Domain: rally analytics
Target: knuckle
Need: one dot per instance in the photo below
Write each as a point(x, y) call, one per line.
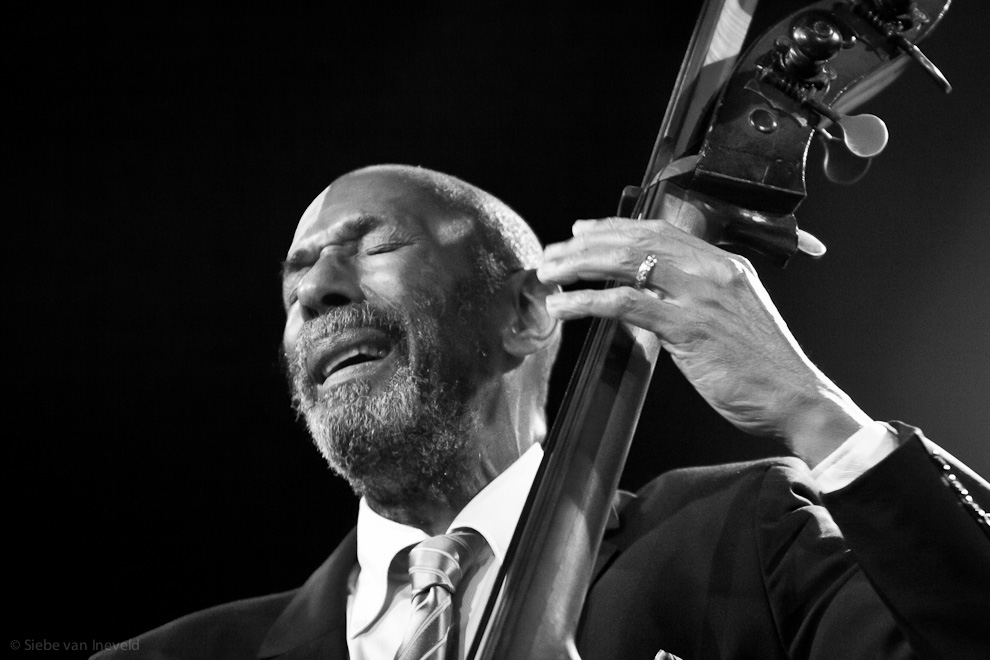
point(627, 299)
point(584, 298)
point(627, 255)
point(649, 242)
point(576, 298)
point(739, 270)
point(570, 260)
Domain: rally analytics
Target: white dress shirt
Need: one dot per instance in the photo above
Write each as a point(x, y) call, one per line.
point(378, 601)
point(864, 449)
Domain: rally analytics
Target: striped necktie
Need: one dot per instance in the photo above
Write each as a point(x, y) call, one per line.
point(436, 566)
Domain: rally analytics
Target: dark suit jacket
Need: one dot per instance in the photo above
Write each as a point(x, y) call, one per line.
point(735, 561)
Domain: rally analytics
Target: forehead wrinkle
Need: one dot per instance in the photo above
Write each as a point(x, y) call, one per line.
point(349, 229)
point(423, 210)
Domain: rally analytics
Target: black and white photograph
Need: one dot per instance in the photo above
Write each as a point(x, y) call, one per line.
point(302, 299)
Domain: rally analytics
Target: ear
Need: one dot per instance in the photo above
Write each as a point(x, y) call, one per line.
point(530, 328)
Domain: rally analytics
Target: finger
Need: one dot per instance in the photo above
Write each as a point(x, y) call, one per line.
point(622, 264)
point(674, 237)
point(604, 225)
point(640, 308)
point(602, 263)
point(620, 254)
point(591, 242)
point(650, 235)
point(642, 236)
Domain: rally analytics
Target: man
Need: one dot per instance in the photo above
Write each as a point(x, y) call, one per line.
point(421, 323)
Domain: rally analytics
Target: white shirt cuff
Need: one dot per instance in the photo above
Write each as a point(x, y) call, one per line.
point(861, 451)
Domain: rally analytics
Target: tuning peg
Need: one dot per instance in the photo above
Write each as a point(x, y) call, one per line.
point(810, 245)
point(841, 165)
point(864, 135)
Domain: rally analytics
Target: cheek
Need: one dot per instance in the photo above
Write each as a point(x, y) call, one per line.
point(290, 334)
point(396, 281)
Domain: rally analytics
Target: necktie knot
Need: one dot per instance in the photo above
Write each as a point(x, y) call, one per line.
point(441, 561)
point(436, 567)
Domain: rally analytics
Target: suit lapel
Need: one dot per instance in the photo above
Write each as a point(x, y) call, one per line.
point(313, 626)
point(314, 623)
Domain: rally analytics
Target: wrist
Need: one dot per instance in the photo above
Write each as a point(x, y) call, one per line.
point(818, 424)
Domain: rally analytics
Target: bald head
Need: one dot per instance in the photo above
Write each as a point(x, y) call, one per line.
point(506, 243)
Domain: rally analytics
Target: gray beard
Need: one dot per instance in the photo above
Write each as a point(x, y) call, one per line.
point(405, 441)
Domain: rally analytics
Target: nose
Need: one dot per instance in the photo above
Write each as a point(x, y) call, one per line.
point(331, 282)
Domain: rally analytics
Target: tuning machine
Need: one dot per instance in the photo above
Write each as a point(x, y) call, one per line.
point(799, 67)
point(895, 20)
point(802, 56)
point(863, 136)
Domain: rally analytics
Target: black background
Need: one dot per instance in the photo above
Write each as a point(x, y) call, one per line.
point(157, 468)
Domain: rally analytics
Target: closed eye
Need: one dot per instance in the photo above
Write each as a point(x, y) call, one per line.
point(384, 247)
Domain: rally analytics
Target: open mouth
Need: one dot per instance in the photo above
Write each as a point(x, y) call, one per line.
point(352, 357)
point(351, 354)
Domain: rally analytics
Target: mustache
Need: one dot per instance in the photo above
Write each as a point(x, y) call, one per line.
point(366, 314)
point(348, 317)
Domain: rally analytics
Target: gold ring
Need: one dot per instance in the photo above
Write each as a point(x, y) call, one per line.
point(645, 269)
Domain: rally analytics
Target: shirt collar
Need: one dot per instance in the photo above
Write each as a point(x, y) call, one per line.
point(493, 512)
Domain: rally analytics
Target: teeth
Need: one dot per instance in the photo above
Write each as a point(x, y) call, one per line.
point(368, 350)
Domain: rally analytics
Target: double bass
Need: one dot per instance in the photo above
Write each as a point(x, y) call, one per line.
point(728, 166)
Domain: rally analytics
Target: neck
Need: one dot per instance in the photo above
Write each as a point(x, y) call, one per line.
point(433, 519)
point(497, 439)
point(434, 509)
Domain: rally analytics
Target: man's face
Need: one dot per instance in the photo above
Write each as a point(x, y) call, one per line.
point(384, 334)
